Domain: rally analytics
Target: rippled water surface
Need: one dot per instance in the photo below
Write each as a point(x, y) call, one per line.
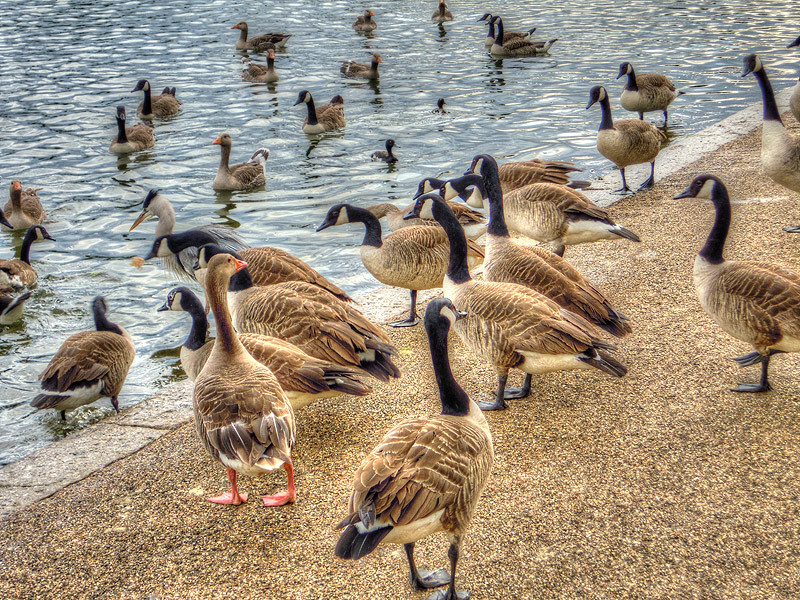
point(67, 64)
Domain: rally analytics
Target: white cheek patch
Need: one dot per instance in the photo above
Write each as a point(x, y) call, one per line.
point(705, 191)
point(478, 166)
point(758, 64)
point(342, 219)
point(176, 302)
point(163, 249)
point(602, 95)
point(307, 98)
point(427, 210)
point(428, 188)
point(449, 314)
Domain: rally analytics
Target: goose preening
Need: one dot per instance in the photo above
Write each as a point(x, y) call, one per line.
point(88, 366)
point(23, 208)
point(164, 105)
point(439, 110)
point(258, 73)
point(546, 212)
point(627, 142)
point(646, 92)
point(365, 22)
point(794, 101)
point(780, 149)
point(242, 176)
point(131, 139)
point(352, 68)
point(511, 326)
point(303, 377)
point(473, 222)
point(158, 205)
point(11, 307)
point(259, 43)
point(18, 272)
point(325, 118)
point(517, 46)
point(427, 473)
point(387, 155)
point(538, 268)
point(241, 413)
point(756, 302)
point(442, 14)
point(414, 258)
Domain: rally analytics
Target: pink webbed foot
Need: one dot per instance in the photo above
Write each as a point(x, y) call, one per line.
point(279, 499)
point(229, 498)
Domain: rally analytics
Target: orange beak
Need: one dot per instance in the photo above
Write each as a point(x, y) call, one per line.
point(380, 60)
point(371, 14)
point(271, 54)
point(240, 264)
point(217, 141)
point(235, 27)
point(17, 185)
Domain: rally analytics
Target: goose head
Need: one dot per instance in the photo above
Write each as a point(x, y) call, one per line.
point(426, 186)
point(225, 266)
point(39, 234)
point(121, 114)
point(99, 306)
point(240, 25)
point(143, 85)
point(207, 251)
point(389, 145)
point(150, 209)
point(752, 64)
point(368, 14)
point(485, 17)
point(442, 314)
point(440, 104)
point(224, 139)
point(376, 58)
point(423, 207)
point(596, 94)
point(794, 43)
point(625, 69)
point(702, 186)
point(304, 96)
point(178, 299)
point(337, 215)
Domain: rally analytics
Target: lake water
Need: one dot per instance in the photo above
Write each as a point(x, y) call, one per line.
point(68, 64)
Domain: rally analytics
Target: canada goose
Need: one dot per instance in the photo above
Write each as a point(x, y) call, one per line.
point(794, 101)
point(756, 302)
point(242, 176)
point(440, 107)
point(547, 212)
point(157, 205)
point(88, 366)
point(646, 92)
point(356, 69)
point(164, 105)
point(538, 268)
point(131, 139)
point(327, 118)
point(414, 258)
point(303, 377)
point(241, 413)
point(511, 326)
point(23, 208)
point(258, 73)
point(507, 35)
point(19, 273)
point(627, 142)
point(473, 222)
point(169, 90)
point(259, 43)
point(11, 307)
point(365, 22)
point(386, 156)
point(442, 14)
point(427, 473)
point(780, 149)
point(517, 46)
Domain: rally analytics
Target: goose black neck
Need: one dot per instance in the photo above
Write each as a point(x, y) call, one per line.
point(270, 62)
point(457, 269)
point(101, 322)
point(631, 84)
point(499, 39)
point(372, 237)
point(460, 184)
point(491, 29)
point(312, 112)
point(25, 250)
point(147, 107)
point(712, 251)
point(497, 219)
point(454, 399)
point(122, 137)
point(190, 238)
point(197, 335)
point(241, 280)
point(771, 112)
point(606, 122)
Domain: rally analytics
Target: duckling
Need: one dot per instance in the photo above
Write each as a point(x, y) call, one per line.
point(427, 473)
point(386, 156)
point(259, 43)
point(365, 22)
point(242, 176)
point(164, 105)
point(794, 102)
point(517, 46)
point(646, 92)
point(327, 117)
point(19, 273)
point(442, 14)
point(88, 366)
point(439, 110)
point(11, 307)
point(356, 69)
point(23, 208)
point(473, 222)
point(131, 139)
point(258, 73)
point(627, 142)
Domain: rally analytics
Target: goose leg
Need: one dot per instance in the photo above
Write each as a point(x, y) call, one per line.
point(499, 402)
point(761, 386)
point(422, 579)
point(451, 593)
point(115, 403)
point(232, 497)
point(281, 498)
point(63, 415)
point(648, 185)
point(641, 116)
point(624, 189)
point(412, 314)
point(523, 392)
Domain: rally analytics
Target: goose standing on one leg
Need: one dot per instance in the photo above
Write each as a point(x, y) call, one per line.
point(241, 413)
point(426, 475)
point(646, 92)
point(794, 101)
point(23, 209)
point(627, 142)
point(756, 302)
point(243, 176)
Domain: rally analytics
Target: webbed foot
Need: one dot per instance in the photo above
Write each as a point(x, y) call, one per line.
point(426, 580)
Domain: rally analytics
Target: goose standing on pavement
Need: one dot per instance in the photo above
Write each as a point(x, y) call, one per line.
point(427, 473)
point(646, 92)
point(794, 101)
point(243, 176)
point(23, 209)
point(756, 302)
point(18, 272)
point(241, 413)
point(627, 142)
point(131, 139)
point(163, 105)
point(327, 117)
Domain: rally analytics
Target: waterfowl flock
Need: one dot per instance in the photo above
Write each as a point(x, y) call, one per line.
point(287, 336)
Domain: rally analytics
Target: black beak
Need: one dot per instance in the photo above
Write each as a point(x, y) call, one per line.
point(328, 222)
point(747, 71)
point(4, 221)
point(47, 236)
point(196, 266)
point(412, 214)
point(298, 102)
point(162, 308)
point(687, 193)
point(591, 102)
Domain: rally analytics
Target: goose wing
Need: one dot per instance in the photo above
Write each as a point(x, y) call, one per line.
point(647, 82)
point(141, 134)
point(16, 269)
point(564, 199)
point(517, 174)
point(249, 173)
point(465, 214)
point(350, 67)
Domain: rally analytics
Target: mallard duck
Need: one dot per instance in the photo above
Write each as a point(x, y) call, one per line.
point(517, 46)
point(88, 366)
point(242, 176)
point(386, 156)
point(259, 43)
point(356, 69)
point(473, 222)
point(365, 22)
point(23, 208)
point(442, 14)
point(325, 118)
point(164, 105)
point(646, 92)
point(131, 139)
point(260, 73)
point(19, 273)
point(427, 473)
point(11, 307)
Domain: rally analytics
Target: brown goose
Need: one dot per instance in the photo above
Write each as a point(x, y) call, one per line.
point(258, 73)
point(646, 92)
point(327, 117)
point(131, 139)
point(427, 473)
point(241, 413)
point(442, 14)
point(303, 377)
point(517, 46)
point(414, 258)
point(507, 35)
point(511, 326)
point(164, 105)
point(360, 70)
point(19, 273)
point(756, 302)
point(473, 222)
point(88, 366)
point(259, 43)
point(365, 22)
point(23, 208)
point(242, 176)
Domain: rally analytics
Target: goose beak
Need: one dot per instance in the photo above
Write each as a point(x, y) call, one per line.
point(591, 102)
point(4, 221)
point(325, 224)
point(459, 315)
point(143, 216)
point(412, 214)
point(163, 307)
point(235, 27)
point(240, 264)
point(687, 193)
point(217, 141)
point(47, 236)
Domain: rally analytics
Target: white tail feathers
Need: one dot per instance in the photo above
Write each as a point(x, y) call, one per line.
point(260, 156)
